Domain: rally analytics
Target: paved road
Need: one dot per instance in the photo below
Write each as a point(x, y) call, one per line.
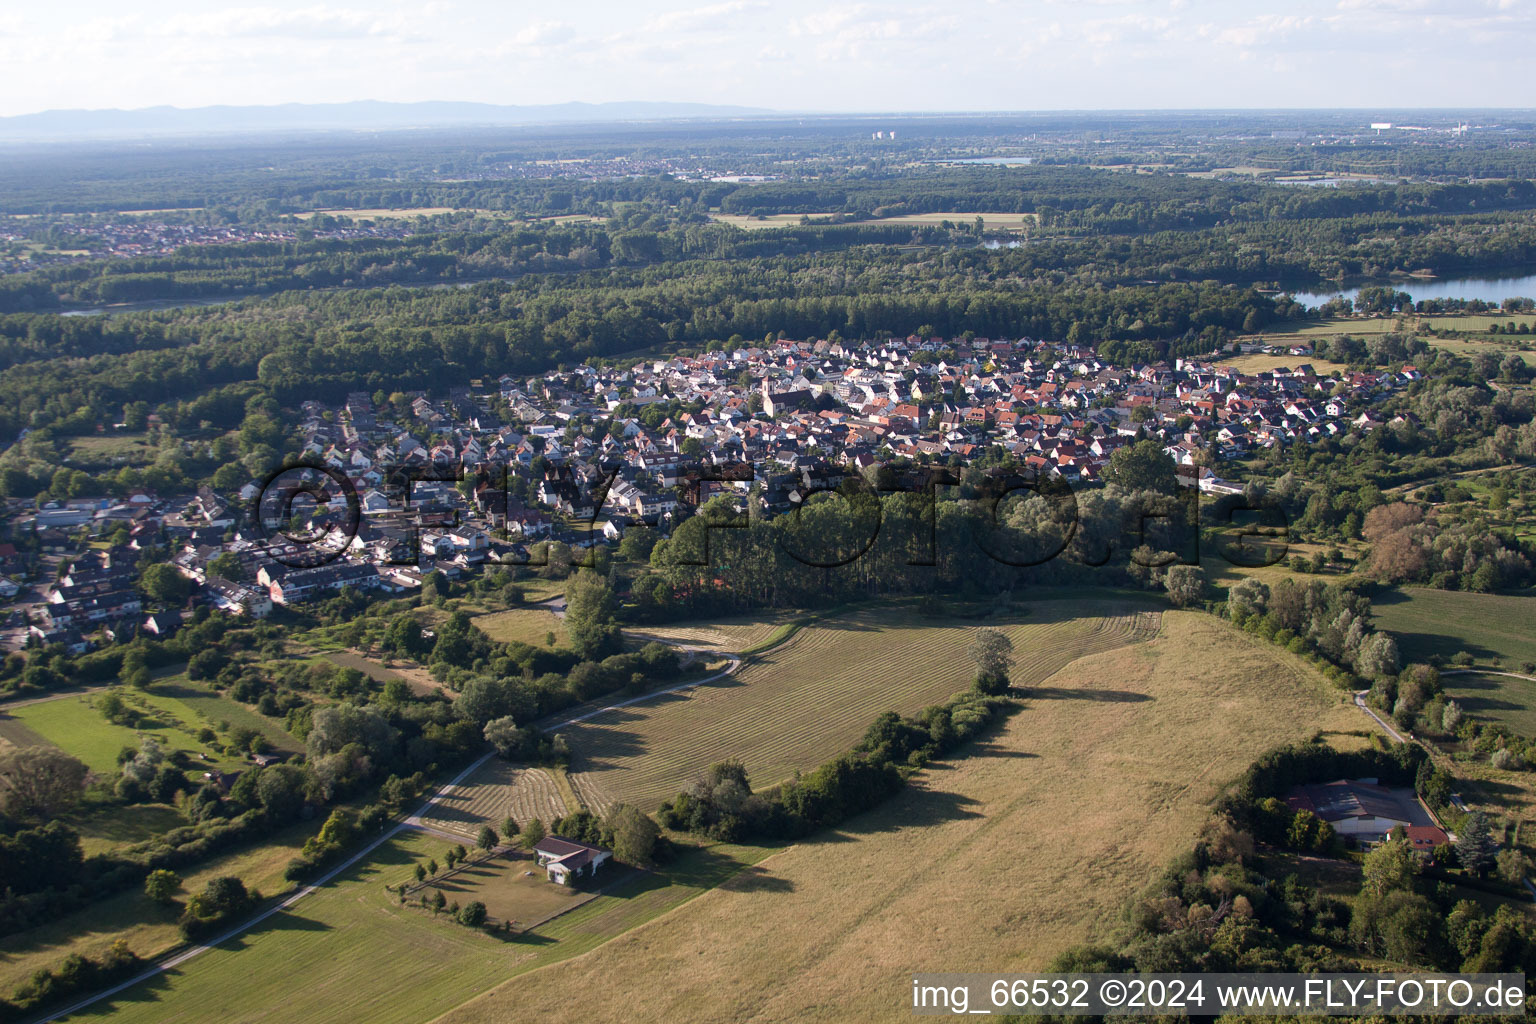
point(1363, 706)
point(414, 821)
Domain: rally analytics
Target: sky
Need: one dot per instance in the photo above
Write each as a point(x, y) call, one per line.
point(803, 55)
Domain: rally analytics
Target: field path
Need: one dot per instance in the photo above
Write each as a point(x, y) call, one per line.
point(416, 821)
point(1485, 672)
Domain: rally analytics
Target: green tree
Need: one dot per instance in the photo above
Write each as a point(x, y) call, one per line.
point(532, 833)
point(1475, 845)
point(634, 835)
point(486, 838)
point(40, 780)
point(1391, 865)
point(992, 652)
point(1186, 585)
point(165, 584)
point(162, 885)
point(473, 914)
point(590, 619)
point(1142, 466)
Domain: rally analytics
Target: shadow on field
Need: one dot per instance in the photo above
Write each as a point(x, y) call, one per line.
point(1084, 693)
point(1502, 790)
point(611, 744)
point(983, 748)
point(756, 878)
point(920, 808)
point(146, 991)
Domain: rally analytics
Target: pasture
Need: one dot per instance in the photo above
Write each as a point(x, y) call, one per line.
point(1030, 843)
point(812, 697)
point(1259, 362)
point(1498, 346)
point(217, 710)
point(112, 450)
point(304, 964)
point(495, 791)
point(74, 725)
point(149, 928)
point(531, 626)
point(1504, 699)
point(1495, 629)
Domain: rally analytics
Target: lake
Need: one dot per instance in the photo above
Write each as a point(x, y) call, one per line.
point(1489, 289)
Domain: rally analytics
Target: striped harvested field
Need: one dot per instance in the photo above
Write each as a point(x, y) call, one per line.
point(735, 634)
point(496, 791)
point(812, 697)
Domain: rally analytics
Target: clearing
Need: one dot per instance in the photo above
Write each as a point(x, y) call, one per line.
point(812, 697)
point(996, 861)
point(531, 626)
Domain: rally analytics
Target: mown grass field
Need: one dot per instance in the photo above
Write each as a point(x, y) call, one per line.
point(1428, 622)
point(812, 697)
point(495, 791)
point(1495, 698)
point(351, 953)
point(996, 861)
point(725, 635)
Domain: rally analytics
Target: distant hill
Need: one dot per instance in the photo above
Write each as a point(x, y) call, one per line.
point(363, 114)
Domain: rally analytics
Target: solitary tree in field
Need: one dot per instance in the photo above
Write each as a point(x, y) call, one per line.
point(532, 833)
point(509, 826)
point(992, 652)
point(421, 873)
point(487, 837)
point(162, 885)
point(432, 866)
point(1186, 585)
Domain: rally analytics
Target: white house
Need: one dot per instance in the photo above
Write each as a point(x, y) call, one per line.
point(566, 860)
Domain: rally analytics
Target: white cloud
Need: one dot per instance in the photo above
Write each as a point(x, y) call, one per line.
point(712, 16)
point(544, 33)
point(320, 22)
